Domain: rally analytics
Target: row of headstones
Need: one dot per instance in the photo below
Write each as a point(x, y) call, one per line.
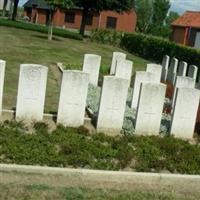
point(120, 67)
point(150, 100)
point(173, 68)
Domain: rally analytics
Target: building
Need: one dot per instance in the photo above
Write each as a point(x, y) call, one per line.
point(186, 29)
point(38, 12)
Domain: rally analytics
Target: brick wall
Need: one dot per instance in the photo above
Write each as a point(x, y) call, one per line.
point(178, 34)
point(125, 21)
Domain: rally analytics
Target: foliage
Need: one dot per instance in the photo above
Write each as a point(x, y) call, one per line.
point(42, 29)
point(144, 9)
point(160, 31)
point(105, 36)
point(160, 10)
point(65, 147)
point(151, 16)
point(172, 17)
point(154, 48)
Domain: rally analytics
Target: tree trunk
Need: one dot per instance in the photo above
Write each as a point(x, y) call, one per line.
point(50, 29)
point(4, 7)
point(14, 14)
point(10, 10)
point(83, 21)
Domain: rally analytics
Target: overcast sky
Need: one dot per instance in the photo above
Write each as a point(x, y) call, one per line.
point(176, 5)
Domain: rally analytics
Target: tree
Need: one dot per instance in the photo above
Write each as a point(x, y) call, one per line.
point(54, 5)
point(144, 10)
point(14, 13)
point(171, 17)
point(160, 10)
point(99, 5)
point(4, 7)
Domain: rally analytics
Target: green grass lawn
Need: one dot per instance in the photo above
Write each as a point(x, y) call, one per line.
point(21, 46)
point(42, 192)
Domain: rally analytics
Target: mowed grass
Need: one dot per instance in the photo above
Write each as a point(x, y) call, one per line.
point(42, 192)
point(21, 46)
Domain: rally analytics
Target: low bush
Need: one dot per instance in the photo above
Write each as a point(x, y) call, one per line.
point(153, 48)
point(39, 28)
point(70, 147)
point(106, 36)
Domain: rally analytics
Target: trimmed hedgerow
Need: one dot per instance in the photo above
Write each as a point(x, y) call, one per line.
point(105, 36)
point(39, 28)
point(153, 48)
point(70, 147)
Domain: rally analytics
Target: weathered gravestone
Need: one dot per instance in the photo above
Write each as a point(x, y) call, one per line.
point(172, 72)
point(112, 105)
point(31, 92)
point(124, 69)
point(116, 56)
point(185, 112)
point(150, 107)
point(182, 82)
point(192, 72)
point(182, 69)
point(141, 77)
point(73, 94)
point(91, 65)
point(155, 69)
point(2, 75)
point(165, 66)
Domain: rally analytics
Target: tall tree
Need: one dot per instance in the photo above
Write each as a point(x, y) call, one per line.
point(54, 5)
point(160, 10)
point(144, 10)
point(4, 7)
point(99, 5)
point(14, 13)
point(171, 17)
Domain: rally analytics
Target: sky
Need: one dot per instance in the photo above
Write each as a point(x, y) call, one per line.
point(179, 6)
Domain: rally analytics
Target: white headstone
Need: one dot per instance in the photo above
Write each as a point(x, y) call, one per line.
point(73, 94)
point(112, 104)
point(91, 65)
point(116, 56)
point(182, 69)
point(31, 92)
point(185, 112)
point(2, 75)
point(141, 77)
point(172, 72)
point(124, 69)
point(150, 107)
point(165, 66)
point(192, 72)
point(155, 69)
point(182, 82)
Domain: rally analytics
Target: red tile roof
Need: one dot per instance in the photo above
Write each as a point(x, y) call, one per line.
point(188, 19)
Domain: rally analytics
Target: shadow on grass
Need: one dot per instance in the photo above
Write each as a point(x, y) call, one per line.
point(46, 37)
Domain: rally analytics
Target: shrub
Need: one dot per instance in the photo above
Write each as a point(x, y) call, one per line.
point(67, 147)
point(153, 48)
point(39, 28)
point(106, 36)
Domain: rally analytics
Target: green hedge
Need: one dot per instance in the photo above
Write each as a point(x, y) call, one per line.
point(106, 36)
point(153, 48)
point(42, 29)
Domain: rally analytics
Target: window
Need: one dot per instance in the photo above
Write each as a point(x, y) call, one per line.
point(70, 17)
point(111, 22)
point(89, 19)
